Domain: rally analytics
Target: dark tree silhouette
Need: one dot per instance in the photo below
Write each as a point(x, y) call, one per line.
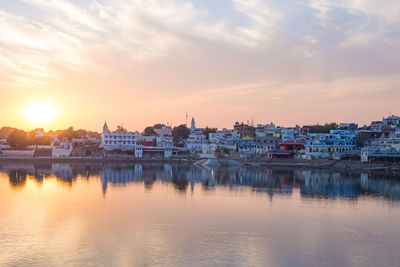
point(68, 133)
point(324, 128)
point(17, 139)
point(207, 131)
point(148, 131)
point(180, 133)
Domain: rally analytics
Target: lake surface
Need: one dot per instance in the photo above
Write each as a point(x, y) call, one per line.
point(184, 215)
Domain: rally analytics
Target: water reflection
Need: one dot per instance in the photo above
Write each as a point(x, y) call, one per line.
point(312, 183)
point(17, 178)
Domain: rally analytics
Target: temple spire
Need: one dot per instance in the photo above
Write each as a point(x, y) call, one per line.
point(193, 124)
point(105, 128)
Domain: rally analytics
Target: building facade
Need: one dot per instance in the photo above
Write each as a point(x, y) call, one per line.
point(121, 140)
point(332, 145)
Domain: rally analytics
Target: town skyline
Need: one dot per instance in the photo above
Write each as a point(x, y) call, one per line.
point(112, 125)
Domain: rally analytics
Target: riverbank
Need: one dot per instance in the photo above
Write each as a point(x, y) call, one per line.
point(326, 164)
point(93, 160)
point(284, 163)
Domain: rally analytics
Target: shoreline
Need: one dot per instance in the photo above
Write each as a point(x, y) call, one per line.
point(290, 163)
point(93, 160)
point(333, 165)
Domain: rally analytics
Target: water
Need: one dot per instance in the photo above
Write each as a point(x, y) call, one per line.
point(184, 215)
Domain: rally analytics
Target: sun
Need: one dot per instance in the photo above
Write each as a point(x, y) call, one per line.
point(40, 112)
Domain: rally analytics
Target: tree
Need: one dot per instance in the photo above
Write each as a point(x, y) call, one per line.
point(17, 139)
point(68, 133)
point(324, 128)
point(120, 129)
point(148, 131)
point(158, 126)
point(5, 132)
point(42, 140)
point(207, 131)
point(180, 133)
point(363, 139)
point(94, 134)
point(80, 133)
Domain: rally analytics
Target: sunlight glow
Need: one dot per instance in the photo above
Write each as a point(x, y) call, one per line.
point(40, 112)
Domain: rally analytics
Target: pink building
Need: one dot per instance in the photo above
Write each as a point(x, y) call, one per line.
point(164, 131)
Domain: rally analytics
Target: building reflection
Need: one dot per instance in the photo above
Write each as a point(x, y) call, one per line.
point(17, 178)
point(65, 173)
point(329, 185)
point(312, 184)
point(120, 175)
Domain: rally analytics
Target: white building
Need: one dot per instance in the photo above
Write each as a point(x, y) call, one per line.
point(263, 145)
point(208, 151)
point(332, 145)
point(193, 129)
point(366, 152)
point(4, 144)
point(385, 145)
point(124, 141)
point(224, 138)
point(194, 142)
point(138, 151)
point(62, 150)
point(391, 120)
point(287, 134)
point(165, 141)
point(388, 147)
point(376, 126)
point(117, 140)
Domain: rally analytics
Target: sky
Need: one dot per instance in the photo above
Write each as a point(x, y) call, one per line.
point(141, 62)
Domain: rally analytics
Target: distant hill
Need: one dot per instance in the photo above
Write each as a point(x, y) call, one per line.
point(5, 132)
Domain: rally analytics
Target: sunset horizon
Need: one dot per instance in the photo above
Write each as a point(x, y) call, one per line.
point(114, 124)
point(188, 133)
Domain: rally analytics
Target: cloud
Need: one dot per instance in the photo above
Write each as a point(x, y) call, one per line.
point(263, 20)
point(77, 36)
point(62, 33)
point(385, 11)
point(250, 50)
point(68, 11)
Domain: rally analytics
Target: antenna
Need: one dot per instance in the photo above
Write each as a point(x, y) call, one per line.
point(186, 118)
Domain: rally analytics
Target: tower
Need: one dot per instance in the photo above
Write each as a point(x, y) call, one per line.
point(105, 128)
point(193, 124)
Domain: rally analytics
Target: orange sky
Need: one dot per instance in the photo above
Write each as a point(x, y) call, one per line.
point(145, 62)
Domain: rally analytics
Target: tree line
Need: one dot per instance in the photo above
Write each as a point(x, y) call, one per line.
point(19, 139)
